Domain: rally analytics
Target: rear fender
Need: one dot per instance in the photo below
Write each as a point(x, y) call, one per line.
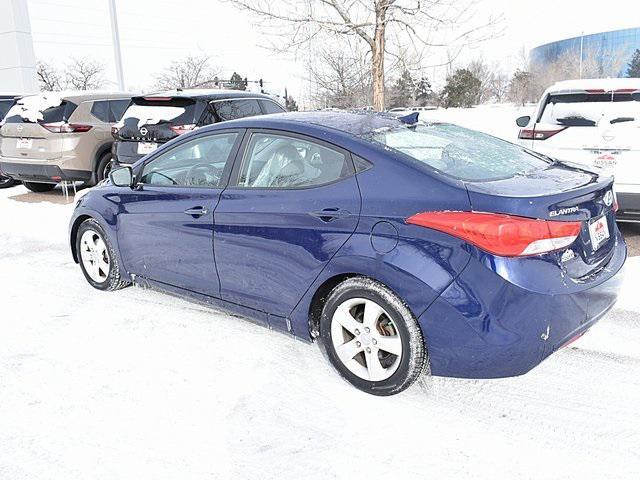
point(418, 283)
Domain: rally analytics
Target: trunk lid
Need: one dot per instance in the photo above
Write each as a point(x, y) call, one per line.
point(560, 192)
point(149, 119)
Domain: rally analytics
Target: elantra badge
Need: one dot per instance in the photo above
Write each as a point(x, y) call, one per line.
point(563, 211)
point(608, 198)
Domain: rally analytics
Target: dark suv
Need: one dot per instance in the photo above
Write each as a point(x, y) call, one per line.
point(155, 119)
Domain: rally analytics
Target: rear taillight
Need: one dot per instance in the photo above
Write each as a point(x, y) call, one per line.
point(180, 129)
point(533, 134)
point(504, 235)
point(63, 127)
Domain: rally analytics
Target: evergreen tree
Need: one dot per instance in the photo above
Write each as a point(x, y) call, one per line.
point(462, 89)
point(290, 104)
point(633, 69)
point(401, 94)
point(236, 82)
point(423, 93)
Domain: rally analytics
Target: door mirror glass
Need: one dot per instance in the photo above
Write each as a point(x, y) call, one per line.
point(523, 121)
point(122, 177)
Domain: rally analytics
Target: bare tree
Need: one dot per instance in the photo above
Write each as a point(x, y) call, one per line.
point(49, 77)
point(341, 78)
point(84, 74)
point(498, 85)
point(482, 72)
point(419, 23)
point(194, 71)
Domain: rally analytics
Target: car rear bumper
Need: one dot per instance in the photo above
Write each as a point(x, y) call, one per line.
point(46, 173)
point(484, 326)
point(628, 207)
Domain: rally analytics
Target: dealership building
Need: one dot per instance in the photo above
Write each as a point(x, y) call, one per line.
point(600, 47)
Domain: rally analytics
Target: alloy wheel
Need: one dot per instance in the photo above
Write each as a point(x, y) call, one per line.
point(95, 256)
point(365, 339)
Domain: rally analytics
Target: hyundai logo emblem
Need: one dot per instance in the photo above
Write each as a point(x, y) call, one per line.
point(144, 131)
point(608, 198)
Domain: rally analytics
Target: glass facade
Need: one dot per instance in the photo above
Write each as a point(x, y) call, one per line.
point(607, 53)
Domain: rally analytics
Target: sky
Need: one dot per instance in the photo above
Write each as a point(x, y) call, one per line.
point(155, 32)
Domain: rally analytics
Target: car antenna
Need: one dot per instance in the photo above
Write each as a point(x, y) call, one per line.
point(410, 119)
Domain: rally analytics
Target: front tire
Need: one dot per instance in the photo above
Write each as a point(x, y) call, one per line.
point(39, 187)
point(371, 337)
point(97, 257)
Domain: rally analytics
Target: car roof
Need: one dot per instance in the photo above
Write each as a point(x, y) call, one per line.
point(78, 96)
point(606, 84)
point(208, 94)
point(357, 123)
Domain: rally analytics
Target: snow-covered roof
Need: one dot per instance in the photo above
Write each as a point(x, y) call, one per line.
point(606, 84)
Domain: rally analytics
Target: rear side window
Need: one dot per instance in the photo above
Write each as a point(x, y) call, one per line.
point(591, 109)
point(100, 110)
point(5, 105)
point(232, 109)
point(118, 107)
point(459, 153)
point(271, 107)
point(276, 161)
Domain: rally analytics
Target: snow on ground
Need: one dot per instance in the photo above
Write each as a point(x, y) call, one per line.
point(137, 384)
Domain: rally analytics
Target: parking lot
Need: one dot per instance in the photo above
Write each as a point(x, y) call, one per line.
point(139, 384)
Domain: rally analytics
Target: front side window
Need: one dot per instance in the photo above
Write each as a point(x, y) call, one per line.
point(460, 153)
point(232, 109)
point(198, 163)
point(276, 161)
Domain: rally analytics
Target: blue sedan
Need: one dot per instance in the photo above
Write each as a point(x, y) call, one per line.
point(402, 247)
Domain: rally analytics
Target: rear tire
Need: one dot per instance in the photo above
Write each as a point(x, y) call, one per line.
point(39, 187)
point(371, 337)
point(97, 257)
point(7, 182)
point(104, 167)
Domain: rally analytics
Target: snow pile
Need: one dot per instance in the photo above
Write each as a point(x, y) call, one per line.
point(150, 114)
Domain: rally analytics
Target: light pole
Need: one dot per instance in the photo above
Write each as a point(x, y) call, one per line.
point(581, 50)
point(116, 44)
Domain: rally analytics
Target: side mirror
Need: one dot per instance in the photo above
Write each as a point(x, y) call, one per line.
point(523, 121)
point(122, 177)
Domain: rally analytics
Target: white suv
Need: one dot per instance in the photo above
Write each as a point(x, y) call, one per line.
point(595, 123)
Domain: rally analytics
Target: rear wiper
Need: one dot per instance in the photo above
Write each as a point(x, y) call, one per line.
point(622, 119)
point(576, 122)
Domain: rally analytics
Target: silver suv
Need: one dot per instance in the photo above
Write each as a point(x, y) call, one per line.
point(53, 137)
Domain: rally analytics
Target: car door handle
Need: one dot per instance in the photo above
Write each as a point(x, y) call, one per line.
point(196, 211)
point(329, 214)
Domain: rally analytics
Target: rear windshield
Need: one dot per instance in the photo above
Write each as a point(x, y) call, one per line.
point(591, 109)
point(460, 153)
point(5, 105)
point(151, 111)
point(58, 113)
